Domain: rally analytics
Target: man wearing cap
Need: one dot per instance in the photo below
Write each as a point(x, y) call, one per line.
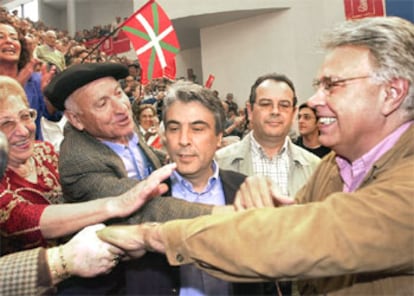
point(103, 155)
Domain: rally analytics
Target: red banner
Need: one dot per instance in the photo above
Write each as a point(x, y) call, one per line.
point(210, 80)
point(355, 9)
point(112, 46)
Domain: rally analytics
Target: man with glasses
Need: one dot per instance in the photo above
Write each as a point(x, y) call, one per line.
point(267, 149)
point(352, 232)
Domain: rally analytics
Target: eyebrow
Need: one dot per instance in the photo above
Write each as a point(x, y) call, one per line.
point(5, 117)
point(173, 121)
point(9, 33)
point(278, 100)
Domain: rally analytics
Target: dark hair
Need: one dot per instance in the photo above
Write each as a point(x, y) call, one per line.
point(25, 54)
point(186, 91)
point(275, 77)
point(305, 105)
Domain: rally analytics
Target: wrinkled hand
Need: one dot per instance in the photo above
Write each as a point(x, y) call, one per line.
point(135, 240)
point(134, 198)
point(259, 192)
point(87, 256)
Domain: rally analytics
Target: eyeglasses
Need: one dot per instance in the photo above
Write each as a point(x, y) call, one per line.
point(27, 116)
point(282, 105)
point(328, 83)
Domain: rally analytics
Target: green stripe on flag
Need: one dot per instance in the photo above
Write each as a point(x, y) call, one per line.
point(169, 47)
point(155, 16)
point(151, 63)
point(137, 33)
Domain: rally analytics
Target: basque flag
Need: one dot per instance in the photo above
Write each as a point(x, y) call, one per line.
point(154, 40)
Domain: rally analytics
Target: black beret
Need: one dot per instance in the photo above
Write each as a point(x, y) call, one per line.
point(76, 76)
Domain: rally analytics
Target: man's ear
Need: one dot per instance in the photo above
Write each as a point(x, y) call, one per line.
point(396, 92)
point(295, 111)
point(219, 141)
point(249, 108)
point(74, 120)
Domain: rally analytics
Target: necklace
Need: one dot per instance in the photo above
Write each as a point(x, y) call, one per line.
point(27, 169)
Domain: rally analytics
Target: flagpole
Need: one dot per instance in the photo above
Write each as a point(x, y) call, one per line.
point(101, 42)
point(114, 31)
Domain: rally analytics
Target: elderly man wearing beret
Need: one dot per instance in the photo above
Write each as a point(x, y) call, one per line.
point(103, 155)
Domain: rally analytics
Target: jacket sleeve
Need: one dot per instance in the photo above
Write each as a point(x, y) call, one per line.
point(25, 273)
point(369, 230)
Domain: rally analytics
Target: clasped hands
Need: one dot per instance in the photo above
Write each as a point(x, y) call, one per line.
point(136, 240)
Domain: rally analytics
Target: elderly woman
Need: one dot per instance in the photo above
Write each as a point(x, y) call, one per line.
point(147, 120)
point(30, 192)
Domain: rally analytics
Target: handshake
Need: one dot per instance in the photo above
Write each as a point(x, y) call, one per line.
point(134, 240)
point(123, 242)
point(98, 249)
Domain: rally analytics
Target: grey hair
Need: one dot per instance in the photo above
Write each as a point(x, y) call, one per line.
point(186, 92)
point(391, 43)
point(71, 105)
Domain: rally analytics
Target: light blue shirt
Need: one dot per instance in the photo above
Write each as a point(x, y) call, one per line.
point(195, 282)
point(134, 159)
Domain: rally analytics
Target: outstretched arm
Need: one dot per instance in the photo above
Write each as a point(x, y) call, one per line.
point(64, 219)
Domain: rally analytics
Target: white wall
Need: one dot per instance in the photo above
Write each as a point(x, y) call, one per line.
point(184, 8)
point(90, 14)
point(190, 58)
point(52, 17)
point(238, 52)
point(285, 42)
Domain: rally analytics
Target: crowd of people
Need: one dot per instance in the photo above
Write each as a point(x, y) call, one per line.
point(345, 183)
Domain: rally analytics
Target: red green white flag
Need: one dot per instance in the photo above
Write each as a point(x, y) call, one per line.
point(155, 42)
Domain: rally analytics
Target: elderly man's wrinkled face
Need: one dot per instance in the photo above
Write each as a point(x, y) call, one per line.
point(50, 38)
point(102, 109)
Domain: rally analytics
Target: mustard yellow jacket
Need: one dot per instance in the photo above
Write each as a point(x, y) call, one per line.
point(359, 243)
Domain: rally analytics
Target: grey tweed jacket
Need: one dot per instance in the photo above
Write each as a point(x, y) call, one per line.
point(89, 170)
